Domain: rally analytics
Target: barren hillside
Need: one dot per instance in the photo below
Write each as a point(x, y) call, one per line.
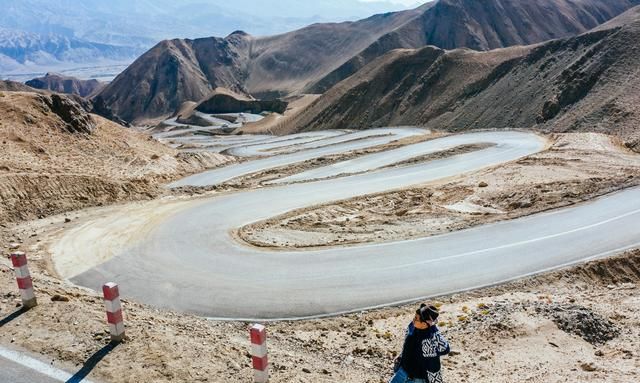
point(485, 25)
point(585, 83)
point(55, 158)
point(188, 70)
point(13, 86)
point(313, 59)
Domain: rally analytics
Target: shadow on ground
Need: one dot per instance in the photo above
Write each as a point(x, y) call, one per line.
point(91, 363)
point(13, 316)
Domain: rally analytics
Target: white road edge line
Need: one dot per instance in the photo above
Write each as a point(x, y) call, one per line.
point(36, 365)
point(474, 252)
point(442, 294)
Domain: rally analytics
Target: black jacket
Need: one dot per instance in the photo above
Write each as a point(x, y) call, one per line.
point(421, 353)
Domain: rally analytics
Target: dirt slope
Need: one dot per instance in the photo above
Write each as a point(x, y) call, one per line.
point(65, 84)
point(55, 158)
point(401, 84)
point(585, 83)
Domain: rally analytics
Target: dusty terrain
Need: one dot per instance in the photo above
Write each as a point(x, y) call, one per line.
point(576, 324)
point(577, 167)
point(579, 324)
point(56, 160)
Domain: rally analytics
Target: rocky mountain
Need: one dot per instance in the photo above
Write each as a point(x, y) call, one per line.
point(585, 83)
point(315, 58)
point(138, 25)
point(65, 84)
point(485, 25)
point(143, 23)
point(179, 70)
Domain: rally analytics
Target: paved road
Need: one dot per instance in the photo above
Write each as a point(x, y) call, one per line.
point(386, 158)
point(11, 372)
point(18, 367)
point(332, 144)
point(189, 261)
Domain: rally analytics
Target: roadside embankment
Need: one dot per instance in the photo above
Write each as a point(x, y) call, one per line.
point(57, 158)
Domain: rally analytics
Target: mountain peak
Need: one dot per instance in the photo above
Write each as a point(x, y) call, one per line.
point(239, 33)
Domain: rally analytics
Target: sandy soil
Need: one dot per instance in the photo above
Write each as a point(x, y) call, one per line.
point(577, 167)
point(579, 324)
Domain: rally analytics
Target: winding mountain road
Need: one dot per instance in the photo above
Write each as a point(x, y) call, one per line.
point(186, 257)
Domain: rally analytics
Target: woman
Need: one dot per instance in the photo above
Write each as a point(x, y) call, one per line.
point(423, 347)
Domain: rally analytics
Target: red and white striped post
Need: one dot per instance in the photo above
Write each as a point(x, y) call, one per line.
point(259, 354)
point(25, 283)
point(114, 311)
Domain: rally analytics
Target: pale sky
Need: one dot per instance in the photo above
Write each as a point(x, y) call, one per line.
point(403, 2)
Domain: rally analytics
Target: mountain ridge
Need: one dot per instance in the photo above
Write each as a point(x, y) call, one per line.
point(314, 58)
point(19, 49)
point(179, 70)
point(485, 25)
point(583, 83)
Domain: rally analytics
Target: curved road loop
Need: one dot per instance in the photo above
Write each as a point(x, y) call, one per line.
point(187, 258)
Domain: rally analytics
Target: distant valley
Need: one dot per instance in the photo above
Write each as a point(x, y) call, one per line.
point(23, 54)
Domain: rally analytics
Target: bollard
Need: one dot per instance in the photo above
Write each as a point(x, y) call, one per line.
point(25, 283)
point(259, 354)
point(114, 311)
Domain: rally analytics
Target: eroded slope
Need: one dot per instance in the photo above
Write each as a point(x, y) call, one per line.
point(55, 157)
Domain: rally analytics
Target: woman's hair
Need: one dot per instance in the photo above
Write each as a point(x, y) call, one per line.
point(427, 313)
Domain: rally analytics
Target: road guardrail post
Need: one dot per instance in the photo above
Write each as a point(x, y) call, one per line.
point(259, 354)
point(23, 277)
point(114, 311)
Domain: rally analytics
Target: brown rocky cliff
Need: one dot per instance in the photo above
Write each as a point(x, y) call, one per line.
point(75, 118)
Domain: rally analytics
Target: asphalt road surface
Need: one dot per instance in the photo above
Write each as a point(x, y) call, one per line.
point(18, 367)
point(11, 372)
point(315, 147)
point(189, 261)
